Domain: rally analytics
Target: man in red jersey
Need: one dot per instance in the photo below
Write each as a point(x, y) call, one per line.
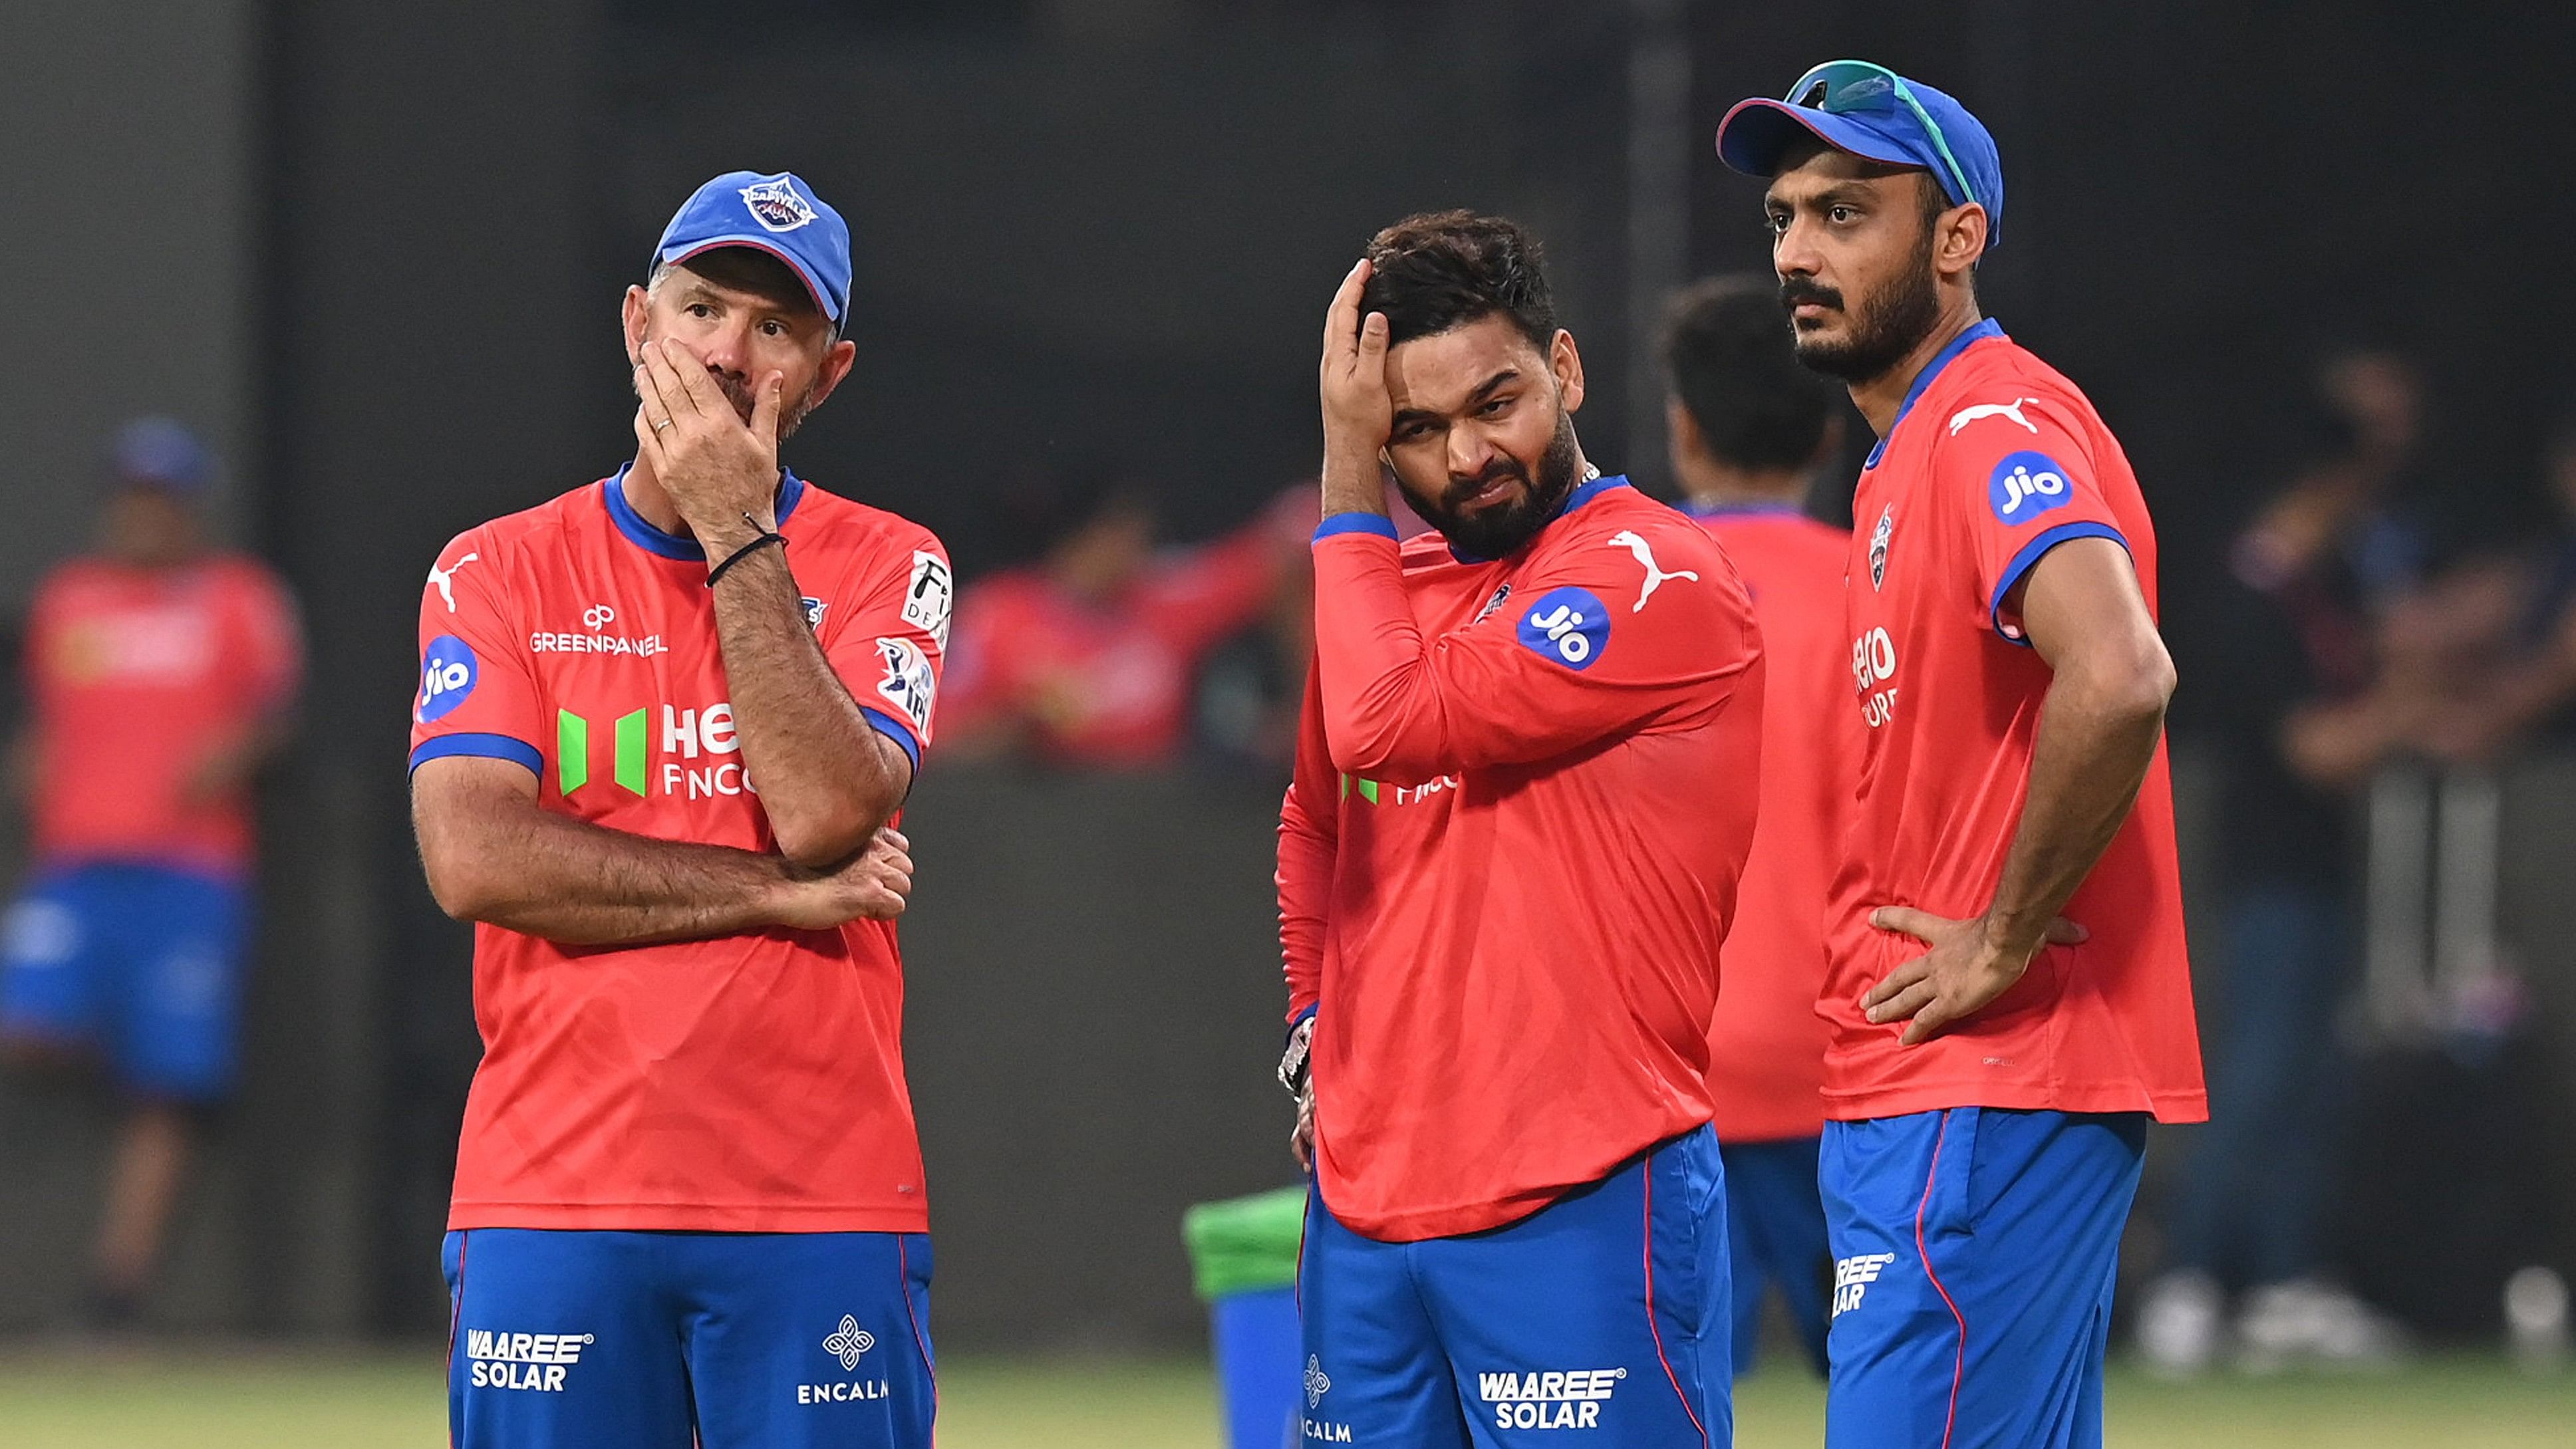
point(665, 724)
point(1749, 427)
point(160, 670)
point(1523, 793)
point(1087, 657)
point(1992, 1069)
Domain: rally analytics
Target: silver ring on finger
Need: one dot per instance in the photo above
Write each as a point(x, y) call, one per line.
point(664, 423)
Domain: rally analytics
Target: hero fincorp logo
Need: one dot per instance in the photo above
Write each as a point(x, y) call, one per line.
point(696, 759)
point(1554, 1399)
point(1873, 663)
point(530, 1362)
point(2025, 485)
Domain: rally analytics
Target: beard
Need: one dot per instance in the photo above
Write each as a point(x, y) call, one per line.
point(1498, 531)
point(738, 391)
point(1886, 329)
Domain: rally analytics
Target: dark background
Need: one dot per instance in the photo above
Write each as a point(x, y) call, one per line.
point(389, 281)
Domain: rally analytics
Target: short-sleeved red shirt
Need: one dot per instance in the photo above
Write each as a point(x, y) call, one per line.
point(750, 1083)
point(137, 676)
point(1994, 460)
point(1766, 1044)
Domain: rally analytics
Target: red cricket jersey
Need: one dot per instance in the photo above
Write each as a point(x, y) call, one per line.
point(1523, 795)
point(1994, 460)
point(1105, 683)
point(749, 1083)
point(1766, 1044)
point(137, 676)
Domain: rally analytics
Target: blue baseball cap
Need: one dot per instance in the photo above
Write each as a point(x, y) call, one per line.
point(776, 213)
point(161, 453)
point(1876, 114)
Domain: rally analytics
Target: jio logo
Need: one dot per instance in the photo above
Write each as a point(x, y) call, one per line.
point(447, 673)
point(1570, 626)
point(2025, 485)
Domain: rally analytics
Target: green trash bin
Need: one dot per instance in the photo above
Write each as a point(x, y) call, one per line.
point(1243, 1260)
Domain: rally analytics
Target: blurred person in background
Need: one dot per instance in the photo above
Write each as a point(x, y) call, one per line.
point(2517, 617)
point(1749, 427)
point(1087, 658)
point(161, 671)
point(2324, 659)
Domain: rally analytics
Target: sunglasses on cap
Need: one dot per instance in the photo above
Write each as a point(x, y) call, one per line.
point(1839, 87)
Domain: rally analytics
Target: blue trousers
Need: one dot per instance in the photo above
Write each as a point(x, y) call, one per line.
point(1974, 1255)
point(618, 1340)
point(1775, 1225)
point(1606, 1311)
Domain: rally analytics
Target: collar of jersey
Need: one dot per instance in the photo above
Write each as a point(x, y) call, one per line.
point(1574, 500)
point(641, 532)
point(1751, 509)
point(1923, 380)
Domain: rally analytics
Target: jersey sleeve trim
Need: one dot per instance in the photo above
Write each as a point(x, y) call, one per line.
point(2028, 556)
point(896, 731)
point(485, 746)
point(1300, 1015)
point(1377, 523)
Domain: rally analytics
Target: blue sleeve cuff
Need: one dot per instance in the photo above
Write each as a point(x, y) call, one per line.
point(897, 731)
point(1301, 1016)
point(1377, 523)
point(489, 747)
point(2028, 555)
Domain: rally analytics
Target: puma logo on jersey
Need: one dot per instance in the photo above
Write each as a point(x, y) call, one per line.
point(2012, 410)
point(1655, 574)
point(443, 579)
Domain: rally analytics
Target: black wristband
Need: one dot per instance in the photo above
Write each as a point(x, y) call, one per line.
point(738, 555)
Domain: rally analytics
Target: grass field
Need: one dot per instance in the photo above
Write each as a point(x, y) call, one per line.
point(220, 1400)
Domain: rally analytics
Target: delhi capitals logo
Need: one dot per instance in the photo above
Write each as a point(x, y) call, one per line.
point(775, 204)
point(1317, 1384)
point(848, 1342)
point(1878, 538)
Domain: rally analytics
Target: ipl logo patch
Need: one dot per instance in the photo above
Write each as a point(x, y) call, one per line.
point(1878, 540)
point(776, 206)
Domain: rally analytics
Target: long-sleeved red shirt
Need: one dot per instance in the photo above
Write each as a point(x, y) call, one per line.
point(1523, 796)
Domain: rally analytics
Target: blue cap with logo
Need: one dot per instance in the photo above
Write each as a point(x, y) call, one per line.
point(161, 453)
point(775, 213)
point(1876, 114)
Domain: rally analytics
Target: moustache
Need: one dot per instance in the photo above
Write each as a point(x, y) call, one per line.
point(1462, 489)
point(1798, 290)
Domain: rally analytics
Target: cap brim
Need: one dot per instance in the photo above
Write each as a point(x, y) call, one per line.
point(814, 289)
point(1756, 132)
